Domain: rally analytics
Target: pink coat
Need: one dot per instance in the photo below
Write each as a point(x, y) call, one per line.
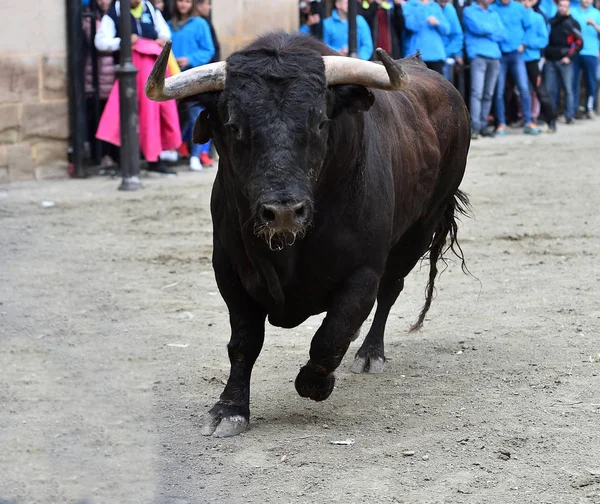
point(158, 122)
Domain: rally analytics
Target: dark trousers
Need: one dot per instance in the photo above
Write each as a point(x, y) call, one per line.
point(436, 66)
point(546, 107)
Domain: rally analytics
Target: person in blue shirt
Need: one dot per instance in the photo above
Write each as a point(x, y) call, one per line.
point(192, 46)
point(454, 41)
point(536, 40)
point(425, 24)
point(335, 32)
point(548, 8)
point(516, 20)
point(588, 18)
point(484, 32)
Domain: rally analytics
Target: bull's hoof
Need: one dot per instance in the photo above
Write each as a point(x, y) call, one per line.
point(313, 385)
point(368, 361)
point(224, 421)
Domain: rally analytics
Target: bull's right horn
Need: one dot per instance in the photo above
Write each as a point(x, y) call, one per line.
point(195, 81)
point(342, 70)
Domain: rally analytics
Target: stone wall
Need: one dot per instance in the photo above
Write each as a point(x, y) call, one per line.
point(33, 93)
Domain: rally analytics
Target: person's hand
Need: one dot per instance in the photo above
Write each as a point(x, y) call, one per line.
point(134, 38)
point(183, 62)
point(313, 19)
point(459, 61)
point(343, 51)
point(521, 48)
point(565, 60)
point(161, 42)
point(433, 21)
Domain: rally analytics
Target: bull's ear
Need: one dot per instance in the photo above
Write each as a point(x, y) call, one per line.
point(202, 128)
point(349, 98)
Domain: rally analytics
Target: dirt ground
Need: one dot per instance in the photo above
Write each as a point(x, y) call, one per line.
point(113, 340)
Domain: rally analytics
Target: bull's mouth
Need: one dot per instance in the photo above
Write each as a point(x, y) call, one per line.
point(279, 238)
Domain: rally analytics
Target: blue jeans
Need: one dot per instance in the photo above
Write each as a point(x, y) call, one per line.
point(194, 112)
point(589, 64)
point(484, 75)
point(514, 63)
point(555, 76)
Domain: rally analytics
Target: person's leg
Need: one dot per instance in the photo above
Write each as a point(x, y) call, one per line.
point(566, 76)
point(546, 107)
point(492, 71)
point(590, 64)
point(519, 72)
point(478, 67)
point(575, 81)
point(499, 96)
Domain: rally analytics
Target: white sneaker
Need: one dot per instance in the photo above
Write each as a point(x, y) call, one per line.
point(169, 155)
point(195, 164)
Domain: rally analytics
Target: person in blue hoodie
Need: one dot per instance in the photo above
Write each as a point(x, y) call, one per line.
point(425, 26)
point(335, 32)
point(192, 46)
point(484, 32)
point(516, 19)
point(588, 18)
point(548, 8)
point(536, 40)
point(454, 41)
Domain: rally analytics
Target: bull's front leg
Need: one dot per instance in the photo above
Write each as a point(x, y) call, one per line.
point(350, 307)
point(231, 414)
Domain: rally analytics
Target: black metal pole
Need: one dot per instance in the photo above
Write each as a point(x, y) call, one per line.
point(76, 87)
point(352, 44)
point(126, 72)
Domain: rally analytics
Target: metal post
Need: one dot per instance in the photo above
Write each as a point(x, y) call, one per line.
point(76, 87)
point(352, 44)
point(316, 7)
point(126, 72)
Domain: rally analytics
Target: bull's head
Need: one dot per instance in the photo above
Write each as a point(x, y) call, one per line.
point(269, 112)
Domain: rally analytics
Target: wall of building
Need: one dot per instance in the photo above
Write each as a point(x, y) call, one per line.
point(33, 92)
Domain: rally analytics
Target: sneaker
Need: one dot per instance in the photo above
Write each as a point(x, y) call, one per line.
point(160, 167)
point(195, 164)
point(486, 132)
point(474, 135)
point(169, 155)
point(205, 159)
point(531, 129)
point(552, 127)
point(501, 130)
point(569, 120)
point(588, 114)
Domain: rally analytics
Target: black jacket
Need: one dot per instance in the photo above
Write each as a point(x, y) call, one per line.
point(565, 38)
point(395, 23)
point(217, 56)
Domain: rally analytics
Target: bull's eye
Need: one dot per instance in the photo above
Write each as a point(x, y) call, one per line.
point(234, 129)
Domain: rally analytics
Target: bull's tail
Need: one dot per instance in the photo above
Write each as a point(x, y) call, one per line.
point(444, 239)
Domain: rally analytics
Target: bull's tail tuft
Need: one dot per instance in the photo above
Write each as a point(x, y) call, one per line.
point(444, 239)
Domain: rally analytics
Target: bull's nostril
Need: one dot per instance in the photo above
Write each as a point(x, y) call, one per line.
point(268, 215)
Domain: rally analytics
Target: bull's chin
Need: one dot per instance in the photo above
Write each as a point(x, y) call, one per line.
point(279, 238)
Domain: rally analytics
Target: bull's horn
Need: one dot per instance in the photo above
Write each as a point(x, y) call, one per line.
point(197, 80)
point(341, 70)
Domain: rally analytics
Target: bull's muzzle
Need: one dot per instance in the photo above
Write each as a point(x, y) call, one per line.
point(280, 224)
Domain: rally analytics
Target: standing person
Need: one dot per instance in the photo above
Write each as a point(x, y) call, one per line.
point(454, 41)
point(386, 21)
point(192, 46)
point(310, 22)
point(426, 24)
point(484, 32)
point(565, 43)
point(536, 40)
point(335, 32)
point(203, 8)
point(588, 18)
point(159, 125)
point(516, 20)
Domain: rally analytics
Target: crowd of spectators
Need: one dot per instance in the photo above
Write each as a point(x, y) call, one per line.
point(527, 59)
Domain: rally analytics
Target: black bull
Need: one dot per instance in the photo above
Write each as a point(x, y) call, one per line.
point(325, 199)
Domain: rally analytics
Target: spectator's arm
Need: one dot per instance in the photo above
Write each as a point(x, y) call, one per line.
point(498, 32)
point(527, 19)
point(204, 42)
point(415, 17)
point(539, 40)
point(106, 39)
point(365, 41)
point(575, 41)
point(443, 27)
point(456, 37)
point(162, 28)
point(305, 29)
point(474, 25)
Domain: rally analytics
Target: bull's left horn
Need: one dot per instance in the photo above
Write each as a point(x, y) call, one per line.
point(195, 81)
point(342, 70)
